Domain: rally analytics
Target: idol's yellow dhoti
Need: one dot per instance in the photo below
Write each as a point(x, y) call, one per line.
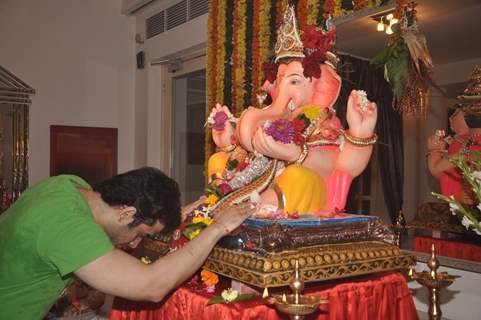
point(217, 164)
point(298, 188)
point(303, 190)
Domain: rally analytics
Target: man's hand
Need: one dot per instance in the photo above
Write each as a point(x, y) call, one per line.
point(230, 218)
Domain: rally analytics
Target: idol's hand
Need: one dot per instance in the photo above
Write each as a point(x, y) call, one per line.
point(222, 128)
point(361, 115)
point(265, 144)
point(436, 142)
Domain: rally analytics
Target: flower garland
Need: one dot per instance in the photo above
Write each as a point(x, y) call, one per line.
point(221, 57)
point(211, 49)
point(406, 61)
point(229, 15)
point(255, 49)
point(239, 58)
point(248, 62)
point(264, 40)
point(210, 76)
point(301, 13)
point(312, 12)
point(471, 170)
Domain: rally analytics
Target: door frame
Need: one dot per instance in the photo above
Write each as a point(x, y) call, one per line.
point(166, 147)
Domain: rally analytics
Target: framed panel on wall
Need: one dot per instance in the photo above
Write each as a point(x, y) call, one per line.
point(88, 152)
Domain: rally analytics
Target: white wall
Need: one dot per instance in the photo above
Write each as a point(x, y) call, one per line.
point(80, 58)
point(149, 82)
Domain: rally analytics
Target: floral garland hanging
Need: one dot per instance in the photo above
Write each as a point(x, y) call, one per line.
point(406, 62)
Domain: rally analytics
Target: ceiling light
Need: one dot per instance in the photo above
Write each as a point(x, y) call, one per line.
point(390, 16)
point(389, 30)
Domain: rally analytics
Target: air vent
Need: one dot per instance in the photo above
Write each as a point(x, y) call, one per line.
point(197, 8)
point(155, 25)
point(177, 15)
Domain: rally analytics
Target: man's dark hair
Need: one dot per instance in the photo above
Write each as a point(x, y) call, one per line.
point(149, 190)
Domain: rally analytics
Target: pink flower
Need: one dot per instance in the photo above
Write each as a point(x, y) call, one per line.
point(219, 120)
point(225, 188)
point(281, 130)
point(210, 289)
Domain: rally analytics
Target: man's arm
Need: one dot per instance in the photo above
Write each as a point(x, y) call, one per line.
point(120, 274)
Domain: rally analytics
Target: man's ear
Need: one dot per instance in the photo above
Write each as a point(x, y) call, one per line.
point(126, 214)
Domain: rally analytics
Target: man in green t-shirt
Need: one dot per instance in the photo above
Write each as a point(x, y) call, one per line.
point(61, 227)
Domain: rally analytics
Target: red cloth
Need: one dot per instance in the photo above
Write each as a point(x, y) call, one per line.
point(451, 180)
point(448, 248)
point(375, 297)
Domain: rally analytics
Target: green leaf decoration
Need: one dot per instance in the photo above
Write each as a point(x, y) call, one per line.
point(192, 229)
point(240, 297)
point(232, 164)
point(213, 189)
point(395, 59)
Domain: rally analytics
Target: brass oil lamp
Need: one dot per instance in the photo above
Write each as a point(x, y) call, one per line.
point(297, 305)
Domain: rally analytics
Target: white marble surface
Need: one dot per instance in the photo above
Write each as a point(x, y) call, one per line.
point(460, 301)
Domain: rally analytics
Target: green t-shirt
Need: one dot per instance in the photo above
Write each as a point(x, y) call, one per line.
point(46, 235)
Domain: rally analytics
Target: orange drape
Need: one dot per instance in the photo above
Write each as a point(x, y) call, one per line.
point(375, 297)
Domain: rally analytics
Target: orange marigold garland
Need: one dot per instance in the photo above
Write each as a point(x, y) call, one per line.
point(235, 48)
point(359, 4)
point(240, 58)
point(209, 278)
point(221, 21)
point(312, 11)
point(329, 6)
point(264, 39)
point(255, 50)
point(302, 13)
point(211, 76)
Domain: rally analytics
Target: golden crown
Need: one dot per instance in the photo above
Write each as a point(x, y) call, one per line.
point(289, 44)
point(471, 97)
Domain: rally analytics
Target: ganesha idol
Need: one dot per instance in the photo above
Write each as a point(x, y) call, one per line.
point(293, 156)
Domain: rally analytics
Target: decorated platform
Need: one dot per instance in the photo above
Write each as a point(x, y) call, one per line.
point(321, 262)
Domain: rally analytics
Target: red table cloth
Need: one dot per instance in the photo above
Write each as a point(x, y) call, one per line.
point(380, 296)
point(448, 248)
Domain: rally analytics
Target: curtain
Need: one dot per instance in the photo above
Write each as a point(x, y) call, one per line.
point(361, 75)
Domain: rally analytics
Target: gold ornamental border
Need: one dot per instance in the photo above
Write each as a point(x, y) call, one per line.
point(317, 263)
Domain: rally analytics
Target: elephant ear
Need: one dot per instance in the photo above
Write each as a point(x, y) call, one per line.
point(270, 88)
point(326, 88)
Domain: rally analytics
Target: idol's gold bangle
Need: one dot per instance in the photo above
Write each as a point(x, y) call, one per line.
point(228, 148)
point(360, 142)
point(303, 155)
point(437, 151)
